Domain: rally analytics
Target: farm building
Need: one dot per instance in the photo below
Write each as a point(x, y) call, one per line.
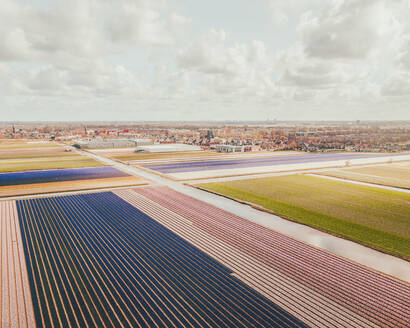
point(112, 143)
point(229, 149)
point(166, 148)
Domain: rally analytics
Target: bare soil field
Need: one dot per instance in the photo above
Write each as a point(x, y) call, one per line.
point(42, 188)
point(387, 175)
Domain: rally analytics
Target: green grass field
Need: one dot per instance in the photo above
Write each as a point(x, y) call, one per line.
point(387, 175)
point(372, 216)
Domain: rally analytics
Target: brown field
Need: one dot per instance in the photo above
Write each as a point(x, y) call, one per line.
point(42, 188)
point(387, 175)
point(24, 156)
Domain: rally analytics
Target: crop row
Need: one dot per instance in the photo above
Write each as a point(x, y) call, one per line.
point(96, 260)
point(15, 299)
point(44, 176)
point(340, 293)
point(222, 164)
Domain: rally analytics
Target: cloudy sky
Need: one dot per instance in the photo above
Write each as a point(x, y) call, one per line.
point(204, 60)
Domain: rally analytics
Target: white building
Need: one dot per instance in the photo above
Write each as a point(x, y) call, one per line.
point(166, 148)
point(229, 149)
point(112, 143)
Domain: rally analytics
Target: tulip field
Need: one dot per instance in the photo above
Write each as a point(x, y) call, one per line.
point(154, 257)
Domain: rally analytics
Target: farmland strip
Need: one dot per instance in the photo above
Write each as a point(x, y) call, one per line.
point(44, 176)
point(128, 257)
point(16, 309)
point(384, 306)
point(303, 304)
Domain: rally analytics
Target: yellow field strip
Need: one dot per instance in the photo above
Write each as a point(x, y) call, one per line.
point(16, 307)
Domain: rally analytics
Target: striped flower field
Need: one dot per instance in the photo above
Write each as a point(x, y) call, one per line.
point(96, 260)
point(322, 289)
point(45, 176)
point(224, 164)
point(152, 257)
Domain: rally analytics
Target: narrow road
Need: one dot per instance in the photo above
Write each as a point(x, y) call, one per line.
point(355, 252)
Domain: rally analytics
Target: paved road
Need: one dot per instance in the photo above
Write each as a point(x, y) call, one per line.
point(358, 253)
point(221, 164)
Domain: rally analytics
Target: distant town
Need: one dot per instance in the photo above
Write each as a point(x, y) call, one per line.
point(354, 136)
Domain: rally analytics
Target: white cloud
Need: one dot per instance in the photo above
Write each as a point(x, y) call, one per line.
point(304, 72)
point(84, 28)
point(403, 57)
point(281, 11)
point(347, 49)
point(208, 54)
point(348, 58)
point(66, 45)
point(223, 68)
point(350, 29)
point(397, 85)
point(318, 78)
point(82, 78)
point(398, 81)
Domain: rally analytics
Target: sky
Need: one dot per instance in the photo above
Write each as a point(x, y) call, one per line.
point(144, 60)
